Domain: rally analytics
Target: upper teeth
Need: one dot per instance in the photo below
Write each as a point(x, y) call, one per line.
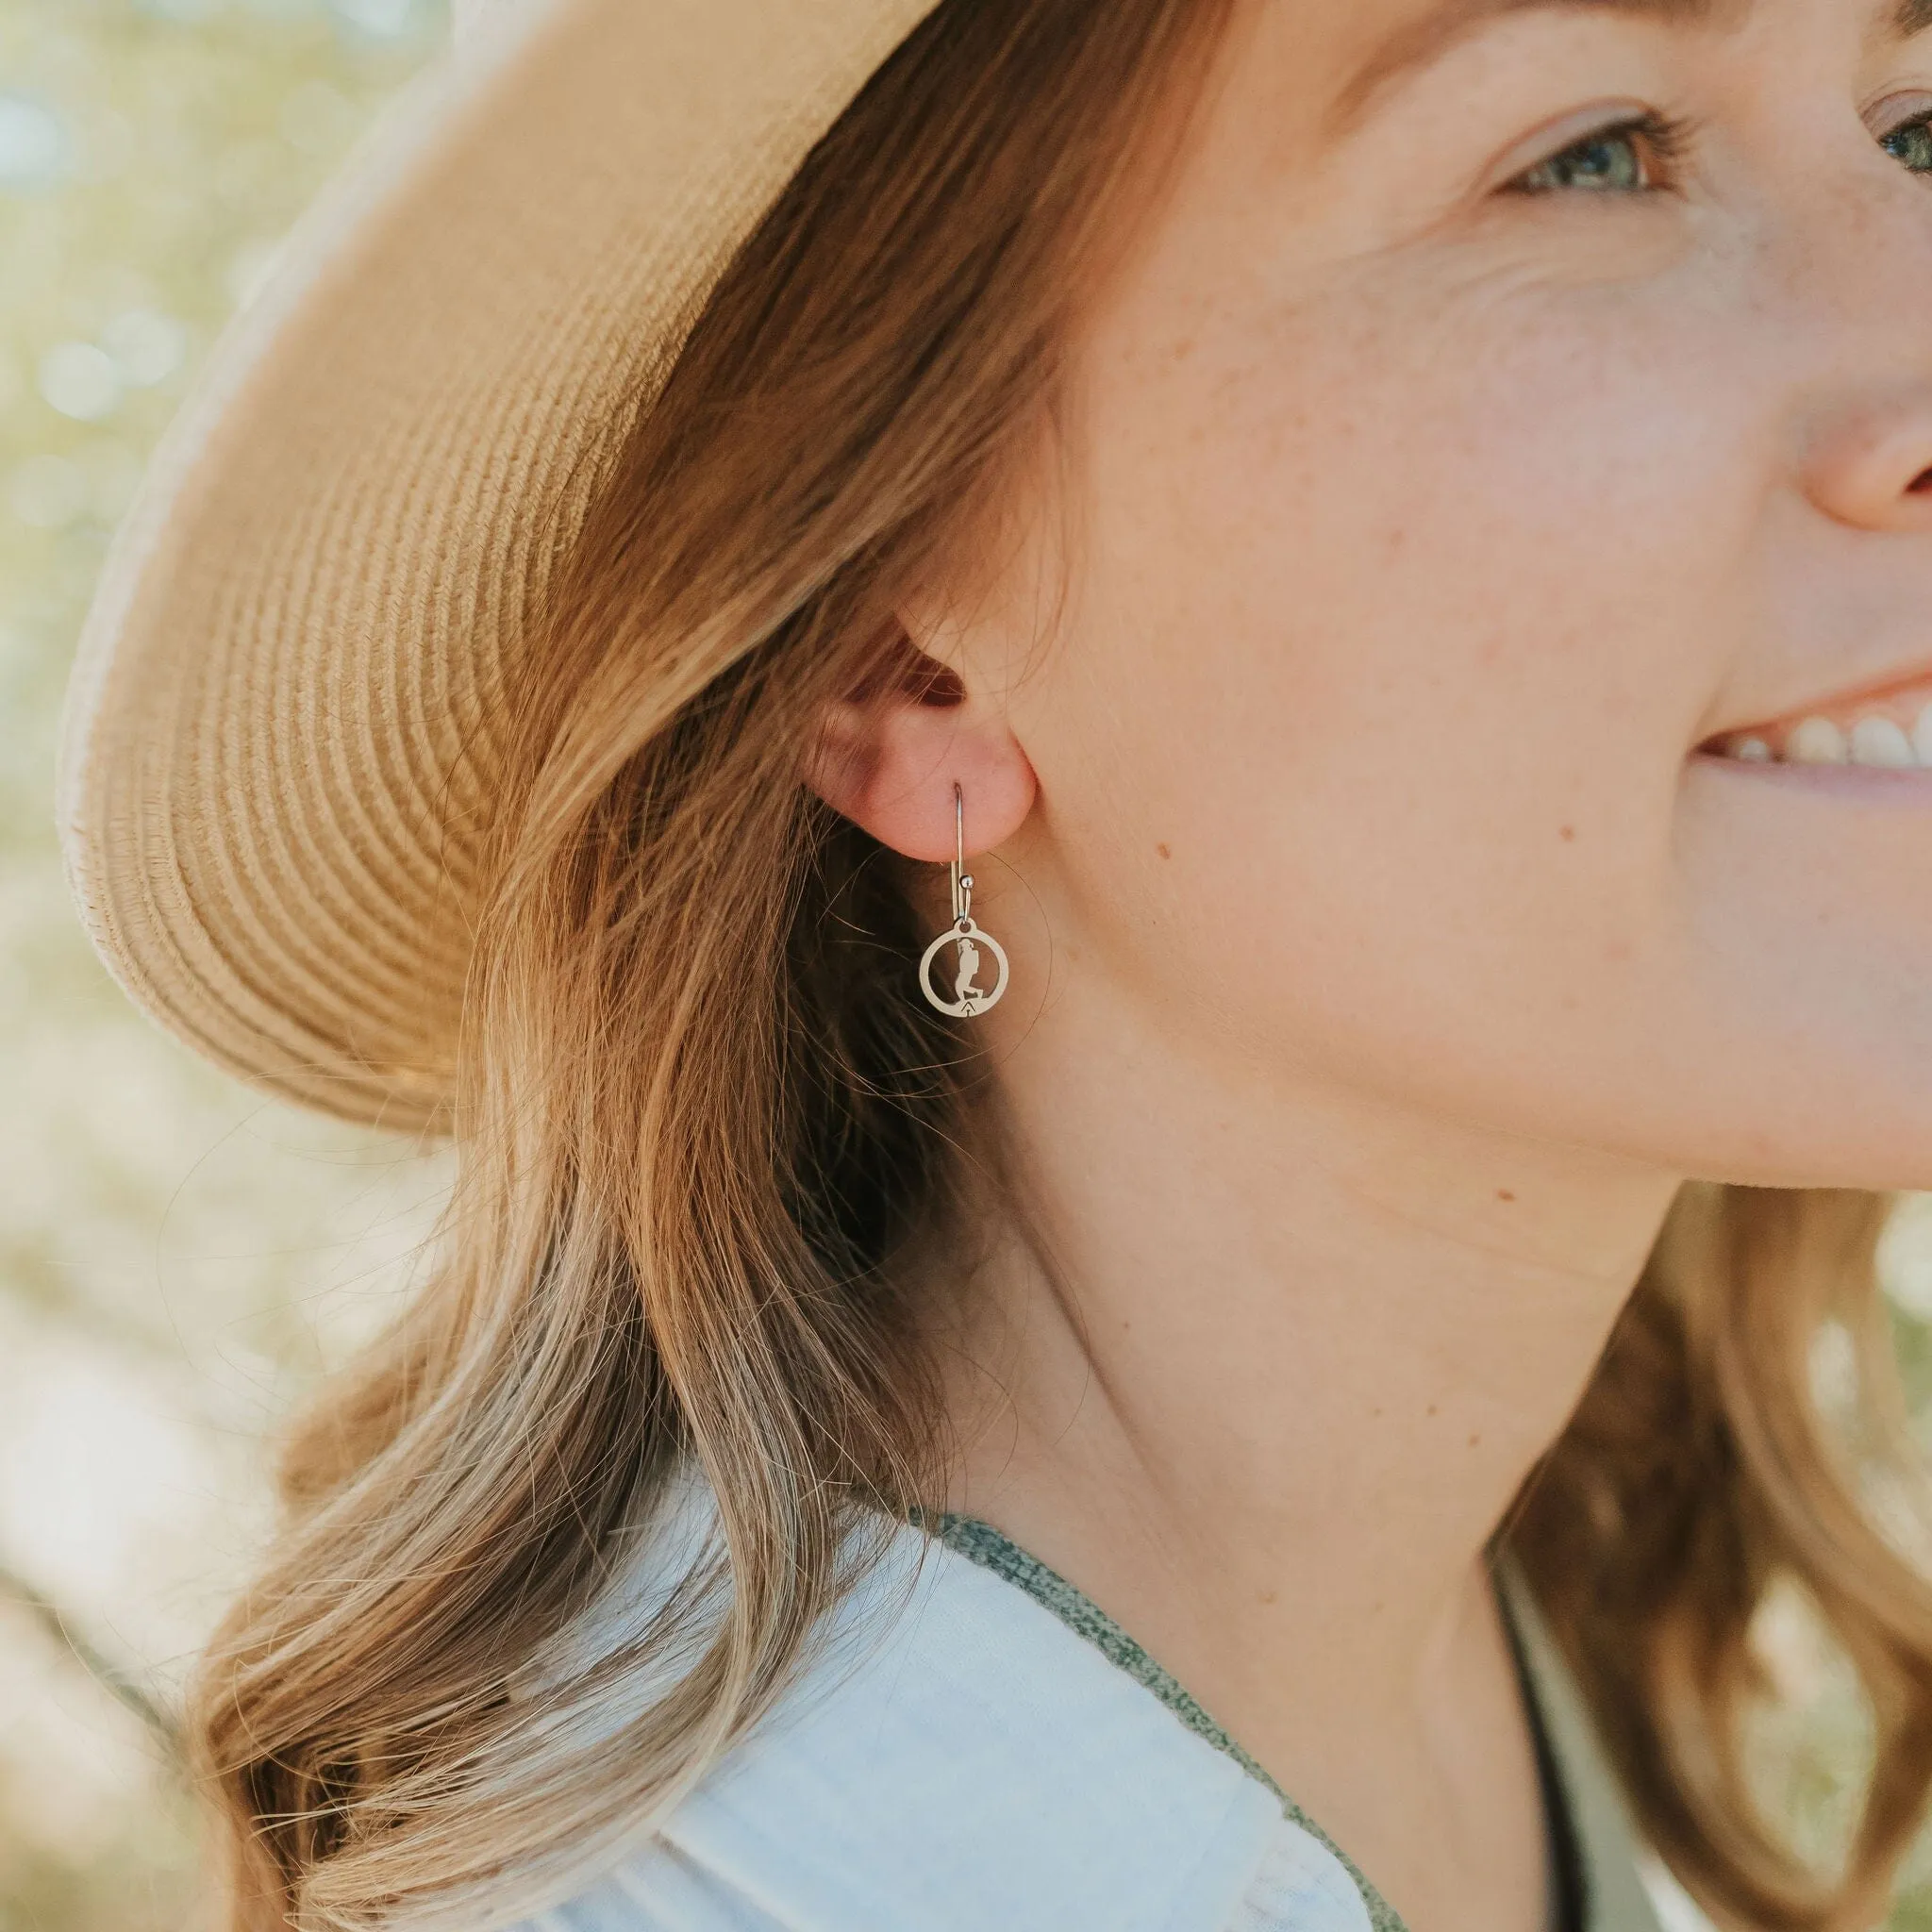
point(1816, 741)
point(1879, 741)
point(1872, 741)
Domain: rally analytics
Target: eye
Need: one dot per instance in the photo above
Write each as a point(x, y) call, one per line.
point(1631, 157)
point(1911, 146)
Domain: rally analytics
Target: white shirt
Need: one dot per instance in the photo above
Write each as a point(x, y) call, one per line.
point(980, 1749)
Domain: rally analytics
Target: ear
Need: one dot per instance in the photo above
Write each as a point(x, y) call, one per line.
point(889, 760)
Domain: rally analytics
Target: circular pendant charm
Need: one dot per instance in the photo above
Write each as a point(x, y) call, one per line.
point(961, 968)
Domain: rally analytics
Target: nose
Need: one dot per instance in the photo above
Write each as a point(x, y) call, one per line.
point(1872, 467)
point(1866, 253)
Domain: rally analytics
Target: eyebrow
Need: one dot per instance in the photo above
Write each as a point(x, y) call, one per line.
point(1420, 41)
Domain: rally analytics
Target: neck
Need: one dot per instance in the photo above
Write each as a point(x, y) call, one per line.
point(1260, 1366)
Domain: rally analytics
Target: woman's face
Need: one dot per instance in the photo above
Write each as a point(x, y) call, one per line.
point(1509, 408)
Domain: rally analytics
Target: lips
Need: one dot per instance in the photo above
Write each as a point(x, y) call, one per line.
point(1891, 730)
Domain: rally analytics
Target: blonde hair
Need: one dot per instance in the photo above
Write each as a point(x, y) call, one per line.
point(700, 1112)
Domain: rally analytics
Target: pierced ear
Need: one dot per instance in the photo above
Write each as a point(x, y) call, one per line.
point(888, 759)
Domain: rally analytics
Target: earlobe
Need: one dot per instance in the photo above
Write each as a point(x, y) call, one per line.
point(889, 765)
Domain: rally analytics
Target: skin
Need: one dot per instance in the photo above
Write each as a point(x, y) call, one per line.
point(1386, 951)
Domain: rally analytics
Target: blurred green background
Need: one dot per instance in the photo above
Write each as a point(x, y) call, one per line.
point(177, 1257)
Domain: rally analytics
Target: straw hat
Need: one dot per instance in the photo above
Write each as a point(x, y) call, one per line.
point(279, 739)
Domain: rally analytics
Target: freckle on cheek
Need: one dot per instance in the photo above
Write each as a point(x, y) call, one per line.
point(1163, 851)
point(1569, 834)
point(1504, 1194)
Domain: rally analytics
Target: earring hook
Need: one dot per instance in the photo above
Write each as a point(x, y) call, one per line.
point(962, 879)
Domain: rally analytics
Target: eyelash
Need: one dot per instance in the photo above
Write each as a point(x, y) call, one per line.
point(1664, 138)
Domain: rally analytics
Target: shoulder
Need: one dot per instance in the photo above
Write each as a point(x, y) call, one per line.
point(956, 1758)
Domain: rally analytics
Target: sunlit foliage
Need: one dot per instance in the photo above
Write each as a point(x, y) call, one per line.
point(174, 1257)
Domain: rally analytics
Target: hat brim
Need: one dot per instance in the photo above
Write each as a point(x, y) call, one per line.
point(282, 736)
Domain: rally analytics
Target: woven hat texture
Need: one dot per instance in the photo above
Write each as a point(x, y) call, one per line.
point(280, 745)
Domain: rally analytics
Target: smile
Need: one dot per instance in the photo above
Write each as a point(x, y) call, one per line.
point(1892, 730)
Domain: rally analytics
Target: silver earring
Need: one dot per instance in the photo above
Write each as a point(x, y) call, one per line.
point(969, 999)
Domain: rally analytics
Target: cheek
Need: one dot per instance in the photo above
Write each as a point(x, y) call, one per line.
point(1394, 623)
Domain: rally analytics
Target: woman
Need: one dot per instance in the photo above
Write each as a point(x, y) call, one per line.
point(1381, 551)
